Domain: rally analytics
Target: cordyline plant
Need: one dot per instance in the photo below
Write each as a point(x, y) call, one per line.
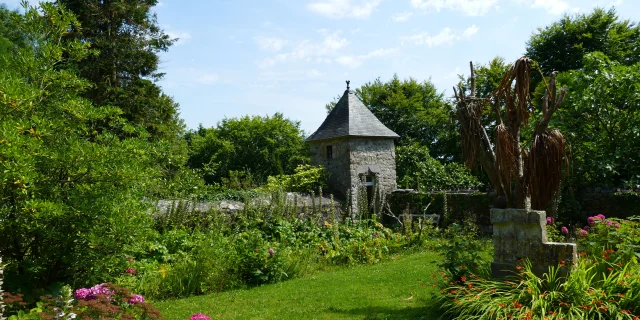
point(527, 173)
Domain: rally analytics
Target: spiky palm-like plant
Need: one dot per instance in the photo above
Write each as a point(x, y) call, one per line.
point(527, 173)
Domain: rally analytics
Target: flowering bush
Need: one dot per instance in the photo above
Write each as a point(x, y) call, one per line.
point(199, 316)
point(103, 301)
point(621, 236)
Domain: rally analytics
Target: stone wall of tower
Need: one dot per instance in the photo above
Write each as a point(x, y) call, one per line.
point(353, 158)
point(376, 156)
point(337, 167)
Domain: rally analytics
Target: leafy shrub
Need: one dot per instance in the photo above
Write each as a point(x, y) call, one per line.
point(462, 252)
point(306, 178)
point(418, 170)
point(69, 190)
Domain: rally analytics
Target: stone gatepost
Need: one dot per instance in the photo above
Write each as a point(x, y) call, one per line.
point(521, 234)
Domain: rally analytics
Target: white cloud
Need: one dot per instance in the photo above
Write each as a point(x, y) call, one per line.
point(183, 37)
point(308, 50)
point(337, 9)
point(469, 32)
point(466, 7)
point(551, 6)
point(270, 43)
point(401, 17)
point(445, 37)
point(356, 61)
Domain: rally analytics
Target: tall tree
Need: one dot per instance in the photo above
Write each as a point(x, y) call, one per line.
point(415, 111)
point(601, 120)
point(126, 40)
point(10, 30)
point(487, 77)
point(70, 194)
point(260, 146)
point(518, 168)
point(562, 45)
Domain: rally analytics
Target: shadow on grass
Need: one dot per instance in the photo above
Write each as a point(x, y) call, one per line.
point(426, 311)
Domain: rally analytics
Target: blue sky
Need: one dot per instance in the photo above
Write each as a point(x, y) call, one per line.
point(258, 57)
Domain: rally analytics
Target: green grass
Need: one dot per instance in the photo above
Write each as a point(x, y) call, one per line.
point(379, 291)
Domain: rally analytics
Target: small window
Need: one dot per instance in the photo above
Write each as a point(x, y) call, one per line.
point(368, 180)
point(329, 152)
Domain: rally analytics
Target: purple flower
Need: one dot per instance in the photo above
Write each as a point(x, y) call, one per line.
point(199, 316)
point(136, 298)
point(550, 220)
point(565, 230)
point(82, 294)
point(582, 233)
point(130, 271)
point(100, 289)
point(586, 228)
point(271, 252)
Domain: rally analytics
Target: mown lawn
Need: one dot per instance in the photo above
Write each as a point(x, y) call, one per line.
point(398, 289)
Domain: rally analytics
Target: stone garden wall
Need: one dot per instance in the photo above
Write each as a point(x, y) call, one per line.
point(476, 205)
point(612, 203)
point(459, 206)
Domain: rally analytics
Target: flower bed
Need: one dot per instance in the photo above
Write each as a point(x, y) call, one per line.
point(605, 283)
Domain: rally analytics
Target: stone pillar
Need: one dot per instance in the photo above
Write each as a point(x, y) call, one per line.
point(521, 234)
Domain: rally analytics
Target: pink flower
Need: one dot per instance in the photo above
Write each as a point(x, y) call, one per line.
point(271, 252)
point(82, 294)
point(609, 222)
point(550, 220)
point(375, 235)
point(582, 233)
point(130, 271)
point(136, 298)
point(93, 292)
point(586, 228)
point(199, 316)
point(100, 289)
point(600, 216)
point(591, 220)
point(565, 230)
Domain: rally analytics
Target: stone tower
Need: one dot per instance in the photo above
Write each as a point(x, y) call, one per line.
point(357, 150)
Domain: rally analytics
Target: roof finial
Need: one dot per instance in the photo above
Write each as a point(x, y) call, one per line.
point(348, 84)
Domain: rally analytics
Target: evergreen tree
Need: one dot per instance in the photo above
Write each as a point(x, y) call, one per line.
point(126, 40)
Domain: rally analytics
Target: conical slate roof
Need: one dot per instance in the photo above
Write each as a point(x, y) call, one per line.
point(351, 118)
